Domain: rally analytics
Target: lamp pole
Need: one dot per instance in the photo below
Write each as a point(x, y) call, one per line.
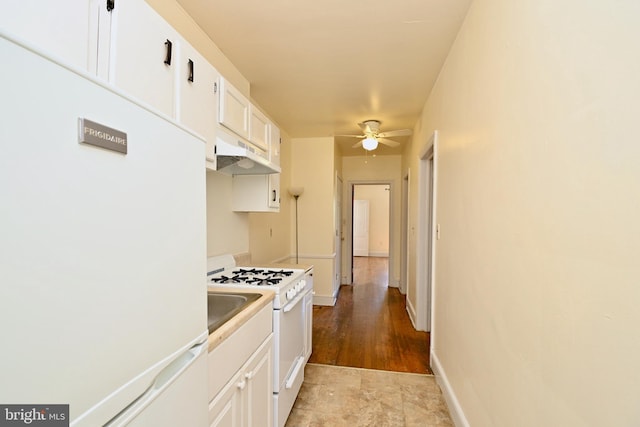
point(296, 192)
point(296, 197)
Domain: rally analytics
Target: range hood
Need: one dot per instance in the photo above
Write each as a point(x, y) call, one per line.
point(235, 156)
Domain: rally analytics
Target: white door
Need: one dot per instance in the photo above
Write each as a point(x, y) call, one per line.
point(360, 228)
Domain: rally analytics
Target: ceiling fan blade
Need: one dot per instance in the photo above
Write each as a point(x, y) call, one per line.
point(357, 144)
point(351, 136)
point(400, 132)
point(388, 142)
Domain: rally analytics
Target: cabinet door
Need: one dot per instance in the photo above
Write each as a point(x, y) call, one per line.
point(144, 48)
point(225, 409)
point(274, 191)
point(234, 109)
point(67, 29)
point(259, 129)
point(274, 146)
point(260, 388)
point(197, 96)
point(255, 193)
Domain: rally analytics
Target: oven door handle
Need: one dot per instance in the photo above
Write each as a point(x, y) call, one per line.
point(287, 308)
point(294, 374)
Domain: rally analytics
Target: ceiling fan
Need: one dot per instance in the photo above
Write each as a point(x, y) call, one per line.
point(372, 135)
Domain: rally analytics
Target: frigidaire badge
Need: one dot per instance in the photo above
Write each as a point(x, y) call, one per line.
point(102, 136)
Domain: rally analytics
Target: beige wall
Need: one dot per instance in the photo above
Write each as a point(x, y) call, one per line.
point(536, 312)
point(359, 169)
point(378, 197)
point(312, 167)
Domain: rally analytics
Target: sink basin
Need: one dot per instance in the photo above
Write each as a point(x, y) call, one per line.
point(222, 306)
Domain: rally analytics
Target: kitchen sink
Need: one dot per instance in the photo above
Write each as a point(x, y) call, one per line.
point(222, 306)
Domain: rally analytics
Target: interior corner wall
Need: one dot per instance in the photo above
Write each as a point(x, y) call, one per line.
point(536, 292)
point(312, 167)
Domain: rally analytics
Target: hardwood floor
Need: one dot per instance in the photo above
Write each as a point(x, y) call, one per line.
point(369, 326)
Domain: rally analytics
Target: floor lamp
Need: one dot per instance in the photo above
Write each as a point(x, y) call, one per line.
point(296, 192)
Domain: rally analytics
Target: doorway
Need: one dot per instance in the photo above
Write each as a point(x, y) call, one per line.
point(370, 223)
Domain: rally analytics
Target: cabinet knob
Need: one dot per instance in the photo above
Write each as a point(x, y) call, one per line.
point(242, 384)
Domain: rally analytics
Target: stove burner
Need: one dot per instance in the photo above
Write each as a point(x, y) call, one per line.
point(263, 281)
point(280, 273)
point(248, 271)
point(226, 280)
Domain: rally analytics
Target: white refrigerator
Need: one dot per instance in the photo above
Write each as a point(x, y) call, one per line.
point(102, 252)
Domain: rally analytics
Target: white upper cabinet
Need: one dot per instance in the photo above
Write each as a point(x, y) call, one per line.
point(256, 193)
point(259, 128)
point(274, 146)
point(234, 109)
point(198, 83)
point(143, 56)
point(68, 29)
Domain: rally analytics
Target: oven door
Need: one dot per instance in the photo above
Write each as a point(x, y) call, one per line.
point(289, 358)
point(288, 324)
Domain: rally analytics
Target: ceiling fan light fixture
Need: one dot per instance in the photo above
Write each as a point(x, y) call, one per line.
point(369, 143)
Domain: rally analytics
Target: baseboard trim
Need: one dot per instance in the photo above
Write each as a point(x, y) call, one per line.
point(379, 254)
point(412, 313)
point(455, 410)
point(324, 300)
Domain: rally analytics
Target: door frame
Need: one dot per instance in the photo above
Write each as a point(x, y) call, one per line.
point(404, 236)
point(426, 233)
point(348, 243)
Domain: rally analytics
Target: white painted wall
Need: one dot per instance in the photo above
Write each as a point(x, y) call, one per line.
point(536, 311)
point(227, 231)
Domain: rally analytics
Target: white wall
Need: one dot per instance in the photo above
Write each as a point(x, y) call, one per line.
point(536, 312)
point(227, 231)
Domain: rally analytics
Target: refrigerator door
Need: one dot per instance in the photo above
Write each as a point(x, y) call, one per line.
point(178, 396)
point(102, 253)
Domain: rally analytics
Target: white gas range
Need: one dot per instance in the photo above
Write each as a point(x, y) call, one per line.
point(292, 319)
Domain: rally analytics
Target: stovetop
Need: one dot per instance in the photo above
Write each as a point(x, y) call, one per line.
point(286, 283)
point(253, 276)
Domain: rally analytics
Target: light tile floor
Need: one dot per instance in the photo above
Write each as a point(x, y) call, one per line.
point(335, 396)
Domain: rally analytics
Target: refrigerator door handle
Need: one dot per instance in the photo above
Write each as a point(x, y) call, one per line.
point(163, 380)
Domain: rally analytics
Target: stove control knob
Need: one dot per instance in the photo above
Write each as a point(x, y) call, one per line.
point(291, 293)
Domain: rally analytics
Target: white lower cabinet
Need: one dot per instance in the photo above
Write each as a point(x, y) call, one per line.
point(243, 397)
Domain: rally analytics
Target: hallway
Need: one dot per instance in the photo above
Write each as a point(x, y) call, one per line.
point(369, 326)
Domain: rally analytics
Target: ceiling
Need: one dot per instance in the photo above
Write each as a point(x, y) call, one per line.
point(320, 67)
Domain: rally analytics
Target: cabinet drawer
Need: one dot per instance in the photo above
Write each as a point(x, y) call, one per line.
point(227, 358)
